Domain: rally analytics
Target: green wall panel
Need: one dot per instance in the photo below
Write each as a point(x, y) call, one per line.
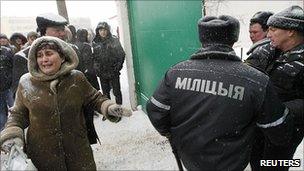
point(162, 34)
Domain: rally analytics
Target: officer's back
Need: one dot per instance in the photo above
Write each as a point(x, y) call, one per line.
point(210, 103)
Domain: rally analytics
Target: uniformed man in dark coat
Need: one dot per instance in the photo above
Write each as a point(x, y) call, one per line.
point(208, 105)
point(108, 60)
point(283, 60)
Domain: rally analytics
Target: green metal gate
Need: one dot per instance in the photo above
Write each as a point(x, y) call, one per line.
point(162, 34)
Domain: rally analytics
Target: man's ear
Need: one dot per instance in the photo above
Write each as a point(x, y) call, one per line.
point(292, 33)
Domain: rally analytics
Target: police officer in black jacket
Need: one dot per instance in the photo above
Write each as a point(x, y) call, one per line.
point(210, 103)
point(283, 60)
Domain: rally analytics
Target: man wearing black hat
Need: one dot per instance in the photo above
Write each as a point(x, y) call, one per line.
point(258, 29)
point(208, 105)
point(283, 60)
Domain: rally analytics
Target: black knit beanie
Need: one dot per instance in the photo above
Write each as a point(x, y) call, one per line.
point(290, 18)
point(222, 30)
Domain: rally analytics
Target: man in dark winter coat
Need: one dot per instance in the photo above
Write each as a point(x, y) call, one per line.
point(108, 60)
point(6, 66)
point(86, 57)
point(208, 105)
point(258, 29)
point(283, 60)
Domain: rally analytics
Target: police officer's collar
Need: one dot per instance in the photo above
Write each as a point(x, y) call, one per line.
point(216, 51)
point(257, 44)
point(294, 54)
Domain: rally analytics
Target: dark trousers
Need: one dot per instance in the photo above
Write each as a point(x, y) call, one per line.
point(263, 149)
point(92, 78)
point(89, 112)
point(89, 118)
point(113, 82)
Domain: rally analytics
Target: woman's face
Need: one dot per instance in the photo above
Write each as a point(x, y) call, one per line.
point(49, 61)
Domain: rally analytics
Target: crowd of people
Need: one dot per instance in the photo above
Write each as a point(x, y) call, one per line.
point(219, 112)
point(40, 75)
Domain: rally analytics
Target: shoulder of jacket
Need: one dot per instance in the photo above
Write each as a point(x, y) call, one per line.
point(179, 66)
point(23, 53)
point(258, 44)
point(256, 76)
point(5, 48)
point(25, 77)
point(77, 74)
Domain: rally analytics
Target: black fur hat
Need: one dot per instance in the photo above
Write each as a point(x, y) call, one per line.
point(49, 19)
point(290, 18)
point(104, 25)
point(223, 29)
point(261, 17)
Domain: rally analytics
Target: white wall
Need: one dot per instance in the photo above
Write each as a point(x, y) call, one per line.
point(244, 10)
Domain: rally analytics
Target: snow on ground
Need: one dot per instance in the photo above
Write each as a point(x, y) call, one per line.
point(132, 144)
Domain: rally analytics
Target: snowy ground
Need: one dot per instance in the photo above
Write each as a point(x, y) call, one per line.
point(133, 143)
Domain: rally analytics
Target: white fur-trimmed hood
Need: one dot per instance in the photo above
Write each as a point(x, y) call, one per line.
point(70, 63)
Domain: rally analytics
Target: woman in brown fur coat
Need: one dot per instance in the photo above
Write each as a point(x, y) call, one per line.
point(49, 102)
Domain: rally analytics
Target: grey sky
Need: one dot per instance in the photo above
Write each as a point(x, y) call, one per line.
point(96, 10)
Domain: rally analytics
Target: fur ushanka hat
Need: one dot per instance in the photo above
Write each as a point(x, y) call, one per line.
point(290, 18)
point(222, 30)
point(69, 55)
